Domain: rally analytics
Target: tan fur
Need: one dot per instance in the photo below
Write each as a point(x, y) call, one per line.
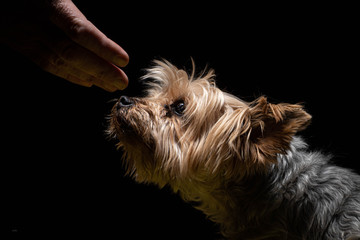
point(217, 142)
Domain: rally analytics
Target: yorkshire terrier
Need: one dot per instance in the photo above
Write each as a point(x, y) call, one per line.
point(240, 163)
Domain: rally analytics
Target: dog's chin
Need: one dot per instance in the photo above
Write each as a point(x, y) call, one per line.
point(125, 131)
point(120, 126)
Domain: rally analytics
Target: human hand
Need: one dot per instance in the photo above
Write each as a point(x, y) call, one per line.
point(57, 36)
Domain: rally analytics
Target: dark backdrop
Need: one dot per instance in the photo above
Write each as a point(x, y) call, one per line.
point(62, 177)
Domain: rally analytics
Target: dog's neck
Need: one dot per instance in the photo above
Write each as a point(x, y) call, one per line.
point(246, 203)
point(220, 200)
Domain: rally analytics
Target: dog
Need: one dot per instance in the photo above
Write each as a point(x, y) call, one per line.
point(239, 162)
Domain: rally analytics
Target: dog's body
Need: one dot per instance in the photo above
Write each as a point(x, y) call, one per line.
point(239, 162)
point(300, 197)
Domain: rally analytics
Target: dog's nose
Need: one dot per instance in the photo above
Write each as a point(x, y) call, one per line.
point(125, 101)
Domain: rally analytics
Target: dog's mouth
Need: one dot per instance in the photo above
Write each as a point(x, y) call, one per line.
point(120, 122)
point(128, 123)
point(124, 121)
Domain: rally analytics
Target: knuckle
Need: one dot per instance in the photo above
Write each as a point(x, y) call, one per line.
point(76, 29)
point(101, 75)
point(57, 61)
point(48, 64)
point(68, 53)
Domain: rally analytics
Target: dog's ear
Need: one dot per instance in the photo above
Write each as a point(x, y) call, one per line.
point(248, 139)
point(271, 129)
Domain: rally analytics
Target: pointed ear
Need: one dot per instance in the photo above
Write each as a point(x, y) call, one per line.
point(248, 139)
point(272, 128)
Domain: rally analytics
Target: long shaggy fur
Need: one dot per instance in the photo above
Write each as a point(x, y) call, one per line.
point(238, 162)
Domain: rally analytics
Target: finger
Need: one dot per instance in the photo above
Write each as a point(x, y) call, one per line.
point(69, 18)
point(50, 62)
point(77, 76)
point(72, 76)
point(78, 57)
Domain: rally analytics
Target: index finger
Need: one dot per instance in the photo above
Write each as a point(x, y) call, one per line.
point(70, 19)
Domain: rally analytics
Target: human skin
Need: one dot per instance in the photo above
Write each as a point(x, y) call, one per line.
point(57, 36)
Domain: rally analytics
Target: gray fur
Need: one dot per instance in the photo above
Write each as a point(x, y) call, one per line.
point(304, 196)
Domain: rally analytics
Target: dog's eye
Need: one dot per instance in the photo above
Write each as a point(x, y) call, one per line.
point(178, 107)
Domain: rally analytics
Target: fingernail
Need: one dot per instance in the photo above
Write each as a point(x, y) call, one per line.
point(121, 61)
point(120, 85)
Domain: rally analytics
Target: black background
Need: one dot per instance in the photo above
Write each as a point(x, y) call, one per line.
point(61, 176)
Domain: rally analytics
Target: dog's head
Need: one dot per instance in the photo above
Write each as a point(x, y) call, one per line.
point(186, 127)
